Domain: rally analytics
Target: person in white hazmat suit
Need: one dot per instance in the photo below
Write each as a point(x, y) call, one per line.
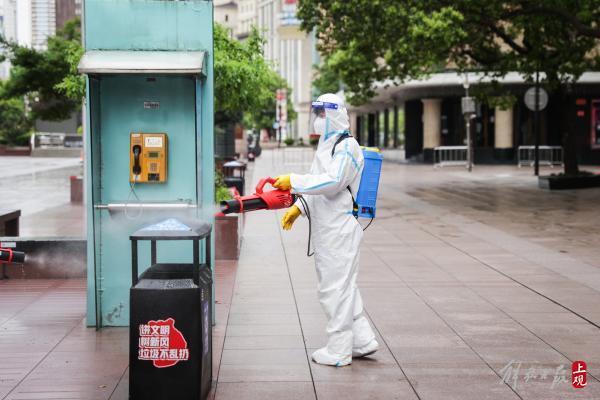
point(336, 234)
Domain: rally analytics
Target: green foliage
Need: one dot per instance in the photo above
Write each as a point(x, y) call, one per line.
point(494, 95)
point(369, 43)
point(46, 77)
point(244, 81)
point(390, 41)
point(73, 84)
point(14, 124)
point(326, 80)
point(222, 193)
point(289, 141)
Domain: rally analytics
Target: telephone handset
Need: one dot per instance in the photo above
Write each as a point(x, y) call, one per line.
point(137, 169)
point(148, 157)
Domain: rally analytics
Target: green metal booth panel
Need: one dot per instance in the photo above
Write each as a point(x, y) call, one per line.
point(167, 94)
point(148, 24)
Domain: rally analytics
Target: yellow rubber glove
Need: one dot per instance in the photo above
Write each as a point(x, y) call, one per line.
point(283, 182)
point(290, 216)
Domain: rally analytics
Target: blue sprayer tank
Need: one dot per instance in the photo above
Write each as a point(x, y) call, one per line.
point(369, 183)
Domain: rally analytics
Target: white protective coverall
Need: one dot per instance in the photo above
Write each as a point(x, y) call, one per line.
point(336, 237)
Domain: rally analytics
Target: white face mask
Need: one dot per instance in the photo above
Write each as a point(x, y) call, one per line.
point(319, 126)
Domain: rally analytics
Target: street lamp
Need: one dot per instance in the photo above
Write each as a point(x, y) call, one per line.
point(468, 110)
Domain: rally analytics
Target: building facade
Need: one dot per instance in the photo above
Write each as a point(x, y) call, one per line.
point(66, 10)
point(421, 115)
point(225, 13)
point(31, 22)
point(8, 29)
point(35, 21)
point(290, 50)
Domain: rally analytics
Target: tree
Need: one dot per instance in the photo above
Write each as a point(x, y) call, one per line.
point(390, 41)
point(38, 74)
point(245, 83)
point(326, 79)
point(14, 124)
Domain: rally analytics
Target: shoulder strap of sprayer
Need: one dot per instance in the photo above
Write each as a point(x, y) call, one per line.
point(341, 138)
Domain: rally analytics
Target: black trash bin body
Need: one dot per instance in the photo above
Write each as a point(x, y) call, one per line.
point(236, 182)
point(171, 324)
point(230, 179)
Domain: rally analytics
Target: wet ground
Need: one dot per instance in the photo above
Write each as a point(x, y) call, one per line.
point(480, 286)
point(40, 188)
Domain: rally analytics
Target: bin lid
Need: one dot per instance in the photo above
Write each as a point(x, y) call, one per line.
point(142, 62)
point(234, 164)
point(173, 229)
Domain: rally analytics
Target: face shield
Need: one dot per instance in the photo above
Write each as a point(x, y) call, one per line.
point(319, 121)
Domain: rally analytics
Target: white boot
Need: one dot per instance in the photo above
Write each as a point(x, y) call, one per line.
point(366, 350)
point(323, 356)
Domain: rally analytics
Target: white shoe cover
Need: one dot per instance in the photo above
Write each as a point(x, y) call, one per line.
point(362, 333)
point(369, 349)
point(323, 356)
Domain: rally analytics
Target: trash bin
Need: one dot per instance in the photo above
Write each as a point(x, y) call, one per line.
point(230, 179)
point(170, 339)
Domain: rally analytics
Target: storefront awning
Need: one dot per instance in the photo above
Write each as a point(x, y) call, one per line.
point(142, 62)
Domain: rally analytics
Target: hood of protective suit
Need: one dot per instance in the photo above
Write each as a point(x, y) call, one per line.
point(336, 121)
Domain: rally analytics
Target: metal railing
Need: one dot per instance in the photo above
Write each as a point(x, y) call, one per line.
point(293, 156)
point(548, 155)
point(450, 156)
point(44, 140)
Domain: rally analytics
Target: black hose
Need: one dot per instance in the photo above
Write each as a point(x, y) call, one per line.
point(369, 224)
point(307, 212)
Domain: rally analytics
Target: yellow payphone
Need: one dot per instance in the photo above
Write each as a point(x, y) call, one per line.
point(148, 157)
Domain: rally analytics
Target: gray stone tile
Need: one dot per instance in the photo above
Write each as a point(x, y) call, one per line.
point(264, 373)
point(457, 354)
point(263, 330)
point(265, 391)
point(368, 369)
point(264, 357)
point(264, 342)
point(462, 388)
point(385, 390)
point(544, 389)
point(261, 318)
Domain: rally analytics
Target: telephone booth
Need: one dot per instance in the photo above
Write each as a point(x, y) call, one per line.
point(148, 136)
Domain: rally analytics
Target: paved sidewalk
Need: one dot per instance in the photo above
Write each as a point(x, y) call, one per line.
point(463, 309)
point(480, 286)
point(47, 352)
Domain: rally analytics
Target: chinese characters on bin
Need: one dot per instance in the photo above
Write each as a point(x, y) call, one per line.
point(162, 343)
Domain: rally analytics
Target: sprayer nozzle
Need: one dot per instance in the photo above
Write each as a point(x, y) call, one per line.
point(18, 257)
point(11, 256)
point(225, 209)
